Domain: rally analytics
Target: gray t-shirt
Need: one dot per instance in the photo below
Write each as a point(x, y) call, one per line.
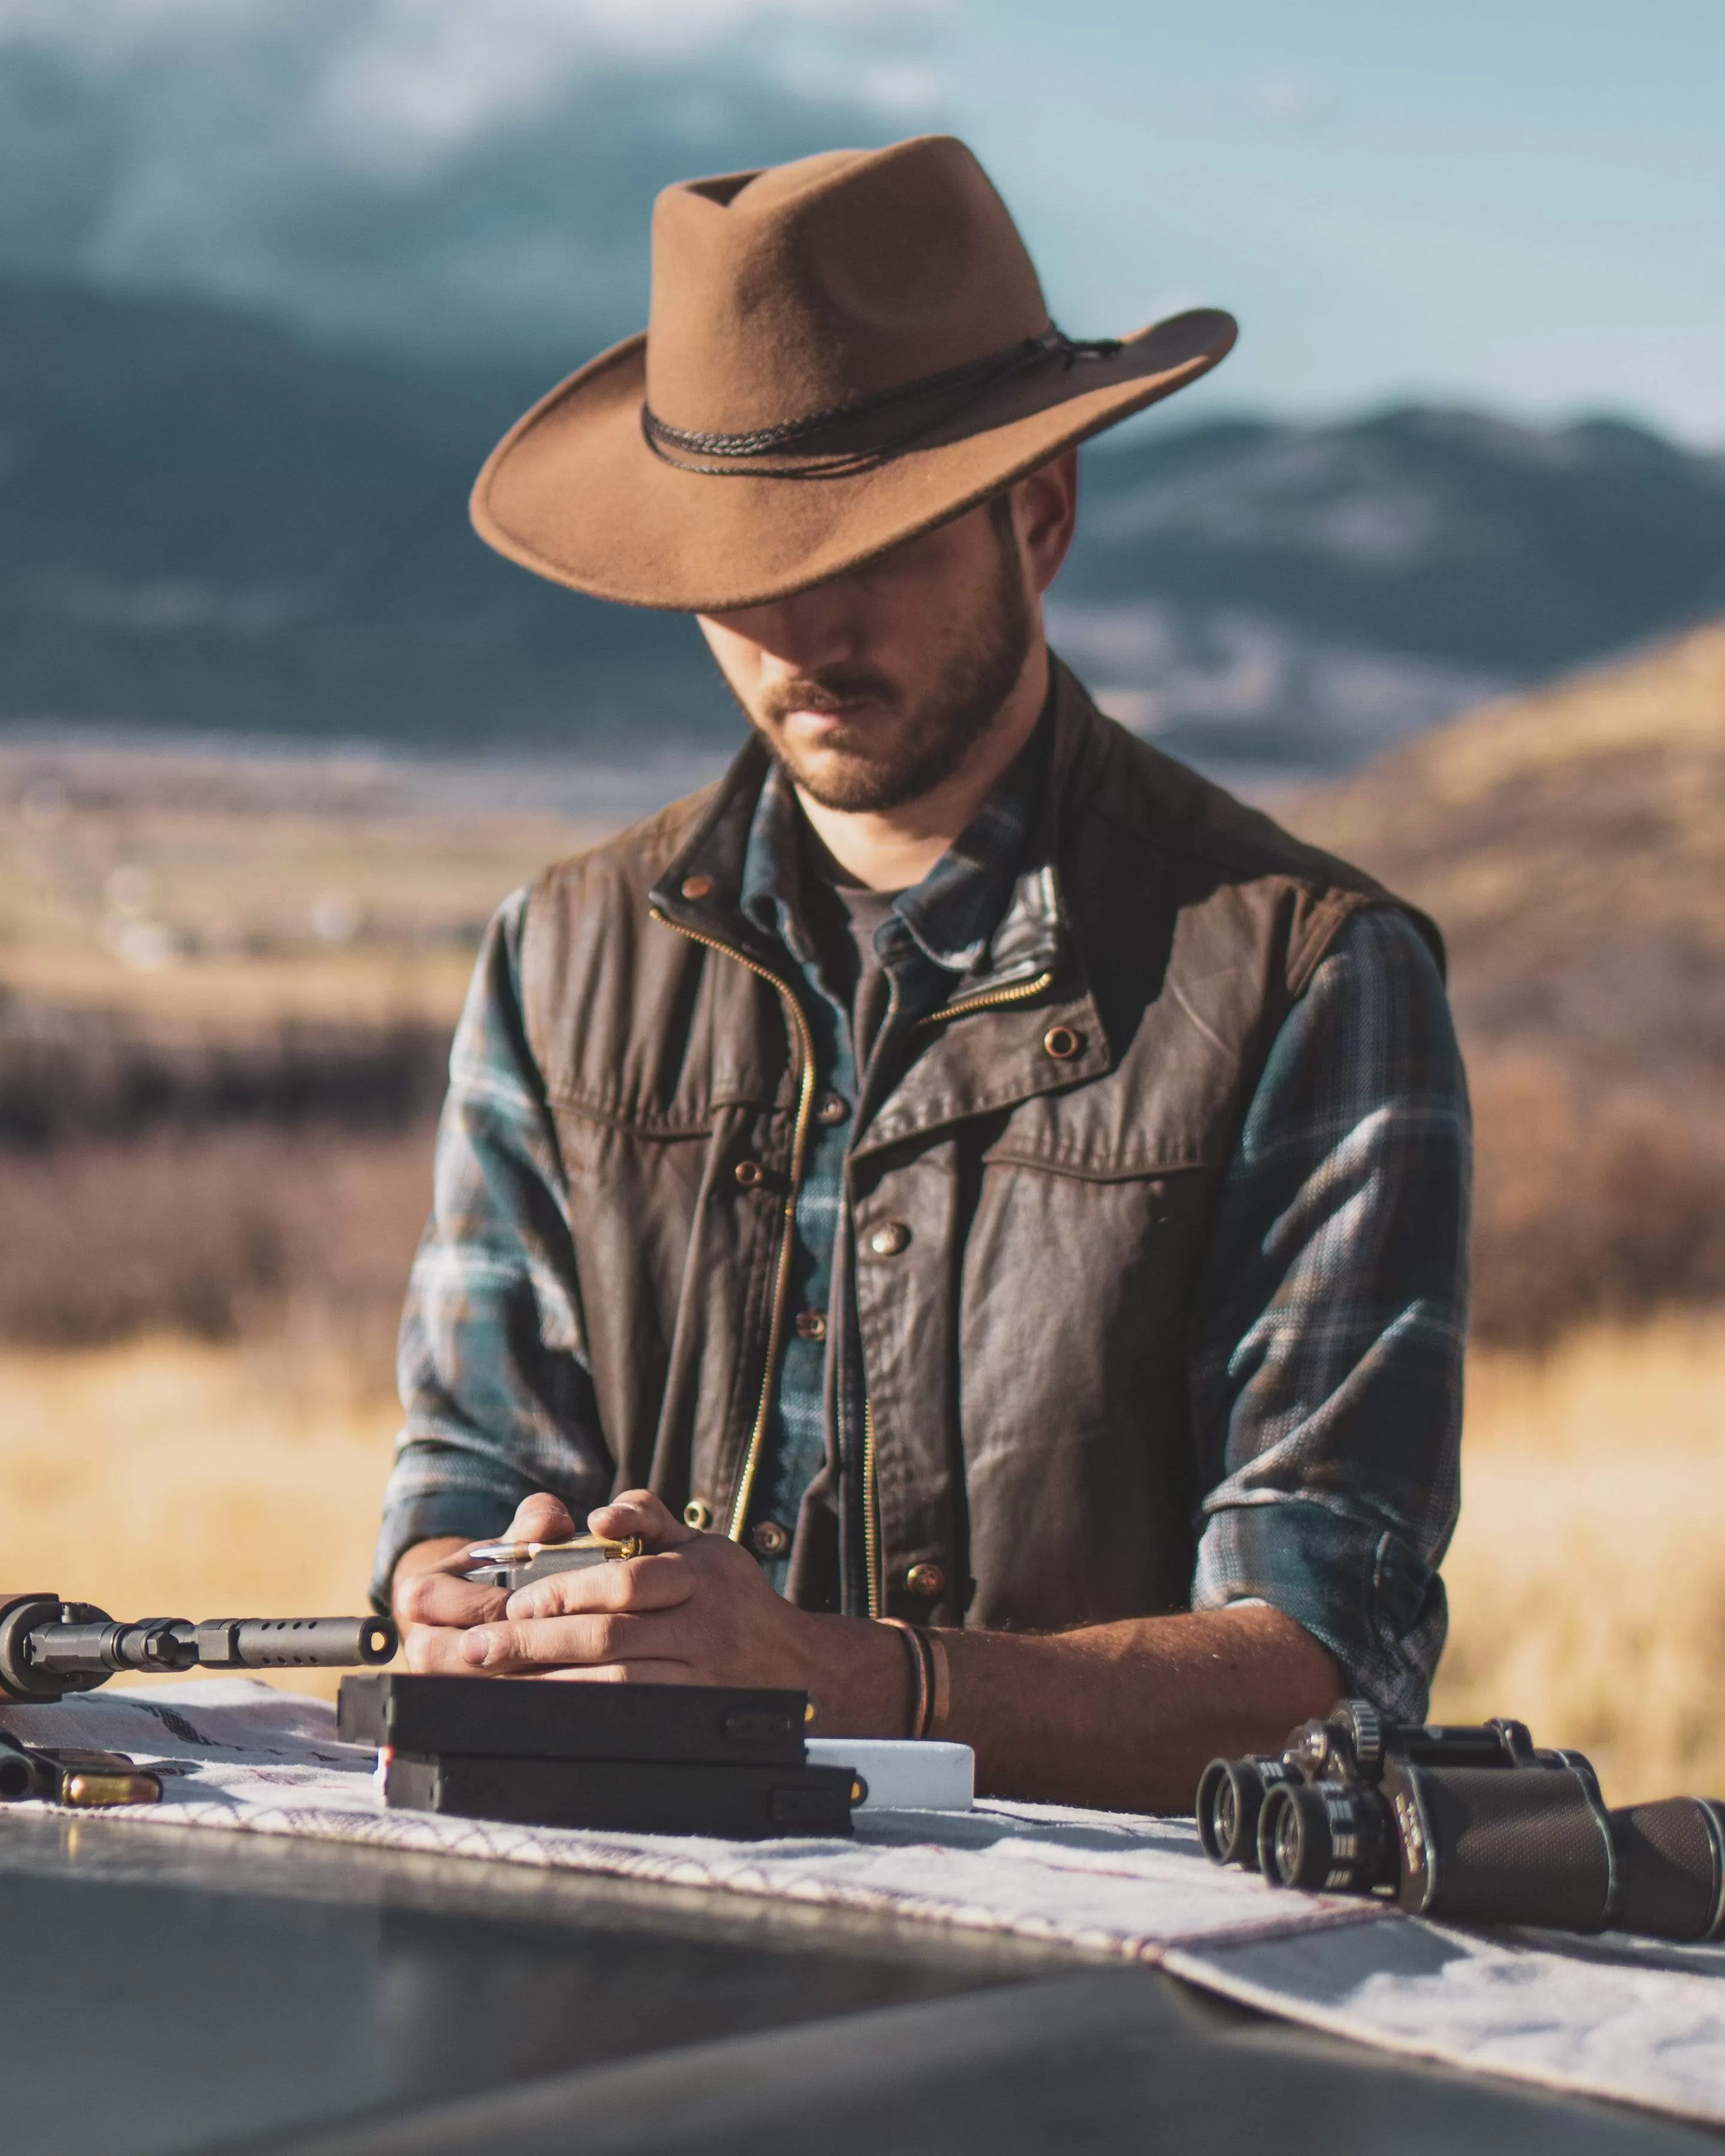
point(841, 916)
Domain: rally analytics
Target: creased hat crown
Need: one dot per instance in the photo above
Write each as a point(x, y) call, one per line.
point(792, 291)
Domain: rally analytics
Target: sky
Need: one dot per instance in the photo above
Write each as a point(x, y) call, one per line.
point(1507, 204)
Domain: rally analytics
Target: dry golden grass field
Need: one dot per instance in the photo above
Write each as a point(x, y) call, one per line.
point(1587, 1583)
point(1587, 1580)
point(186, 1478)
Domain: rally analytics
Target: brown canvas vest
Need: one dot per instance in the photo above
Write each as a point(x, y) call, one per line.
point(1046, 1168)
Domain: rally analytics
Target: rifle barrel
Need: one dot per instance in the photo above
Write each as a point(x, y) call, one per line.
point(47, 1646)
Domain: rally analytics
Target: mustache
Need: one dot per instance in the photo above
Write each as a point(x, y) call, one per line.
point(833, 689)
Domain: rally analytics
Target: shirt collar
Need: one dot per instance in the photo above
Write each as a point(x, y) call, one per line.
point(966, 901)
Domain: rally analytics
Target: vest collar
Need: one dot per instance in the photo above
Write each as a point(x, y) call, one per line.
point(989, 912)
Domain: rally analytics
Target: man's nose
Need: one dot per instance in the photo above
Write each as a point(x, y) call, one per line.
point(804, 633)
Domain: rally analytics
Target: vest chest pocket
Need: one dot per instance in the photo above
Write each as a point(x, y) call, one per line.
point(1107, 1252)
point(1075, 1356)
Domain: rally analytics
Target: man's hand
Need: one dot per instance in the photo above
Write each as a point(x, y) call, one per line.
point(1123, 1714)
point(693, 1609)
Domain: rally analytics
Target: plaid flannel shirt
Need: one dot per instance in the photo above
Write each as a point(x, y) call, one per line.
point(1326, 1372)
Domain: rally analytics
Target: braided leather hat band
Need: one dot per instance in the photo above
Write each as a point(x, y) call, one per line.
point(933, 399)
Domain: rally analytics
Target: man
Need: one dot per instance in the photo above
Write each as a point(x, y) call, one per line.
point(987, 1209)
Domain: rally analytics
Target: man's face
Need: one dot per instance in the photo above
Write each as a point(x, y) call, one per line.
point(874, 688)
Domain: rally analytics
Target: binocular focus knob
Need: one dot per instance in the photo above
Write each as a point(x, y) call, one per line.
point(1364, 1726)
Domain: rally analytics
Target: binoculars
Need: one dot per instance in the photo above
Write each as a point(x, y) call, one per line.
point(1476, 1826)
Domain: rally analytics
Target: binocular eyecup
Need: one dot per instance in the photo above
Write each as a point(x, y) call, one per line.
point(1230, 1802)
point(1328, 1837)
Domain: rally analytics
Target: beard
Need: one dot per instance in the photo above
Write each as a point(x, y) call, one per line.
point(879, 764)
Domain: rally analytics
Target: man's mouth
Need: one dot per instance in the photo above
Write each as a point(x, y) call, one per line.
point(834, 713)
point(829, 723)
point(831, 702)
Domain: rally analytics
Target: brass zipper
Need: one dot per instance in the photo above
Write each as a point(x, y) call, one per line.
point(805, 1104)
point(871, 1513)
point(1020, 994)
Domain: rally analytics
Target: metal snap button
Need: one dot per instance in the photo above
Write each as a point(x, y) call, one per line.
point(833, 1108)
point(889, 1239)
point(1061, 1043)
point(769, 1539)
point(751, 1174)
point(698, 1513)
point(697, 886)
point(811, 1324)
point(928, 1581)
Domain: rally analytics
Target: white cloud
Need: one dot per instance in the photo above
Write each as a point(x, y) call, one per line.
point(1287, 101)
point(436, 73)
point(906, 86)
point(439, 71)
point(451, 176)
point(1284, 101)
point(437, 36)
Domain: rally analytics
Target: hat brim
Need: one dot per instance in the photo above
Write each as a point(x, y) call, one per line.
point(574, 492)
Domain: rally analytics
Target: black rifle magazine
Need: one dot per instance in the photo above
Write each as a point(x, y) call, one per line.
point(519, 1718)
point(621, 1796)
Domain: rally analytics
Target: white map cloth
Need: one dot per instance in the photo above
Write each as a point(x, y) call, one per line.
point(1613, 2017)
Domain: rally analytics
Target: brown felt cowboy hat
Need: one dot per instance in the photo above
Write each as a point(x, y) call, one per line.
point(842, 353)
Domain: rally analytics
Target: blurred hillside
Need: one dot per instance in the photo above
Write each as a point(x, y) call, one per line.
point(206, 523)
point(192, 888)
point(1313, 595)
point(194, 938)
point(1572, 844)
point(227, 984)
point(227, 988)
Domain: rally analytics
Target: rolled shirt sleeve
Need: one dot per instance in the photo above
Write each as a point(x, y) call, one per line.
point(492, 1363)
point(1327, 1376)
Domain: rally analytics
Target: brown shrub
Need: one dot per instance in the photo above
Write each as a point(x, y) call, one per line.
point(216, 1234)
point(1607, 1206)
point(69, 1074)
point(1604, 1207)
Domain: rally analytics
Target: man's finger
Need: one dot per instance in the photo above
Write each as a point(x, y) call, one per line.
point(541, 1518)
point(639, 1512)
point(442, 1597)
point(434, 1651)
point(591, 1636)
point(640, 1583)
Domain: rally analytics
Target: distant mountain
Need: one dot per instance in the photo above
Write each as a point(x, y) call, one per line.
point(205, 523)
point(1313, 593)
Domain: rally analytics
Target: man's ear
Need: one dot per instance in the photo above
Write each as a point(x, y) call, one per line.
point(1045, 508)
